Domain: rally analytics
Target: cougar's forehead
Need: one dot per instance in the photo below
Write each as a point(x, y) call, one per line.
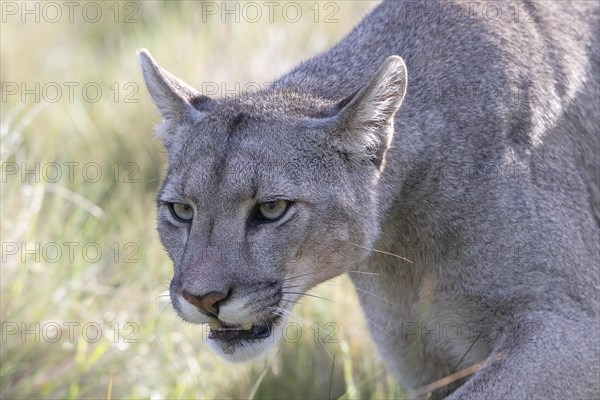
point(234, 171)
point(244, 154)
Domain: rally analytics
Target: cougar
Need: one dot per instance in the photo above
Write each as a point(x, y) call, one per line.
point(445, 155)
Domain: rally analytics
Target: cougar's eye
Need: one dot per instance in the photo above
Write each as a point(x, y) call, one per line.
point(181, 212)
point(272, 210)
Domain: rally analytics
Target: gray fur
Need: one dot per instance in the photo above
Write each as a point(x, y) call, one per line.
point(486, 179)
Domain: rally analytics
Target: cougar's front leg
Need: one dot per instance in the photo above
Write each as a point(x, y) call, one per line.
point(548, 357)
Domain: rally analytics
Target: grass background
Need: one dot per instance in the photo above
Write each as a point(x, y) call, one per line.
point(125, 341)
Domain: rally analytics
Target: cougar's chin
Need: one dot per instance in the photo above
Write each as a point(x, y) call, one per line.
point(238, 335)
point(242, 343)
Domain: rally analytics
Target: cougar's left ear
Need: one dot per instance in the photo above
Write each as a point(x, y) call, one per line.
point(175, 99)
point(365, 123)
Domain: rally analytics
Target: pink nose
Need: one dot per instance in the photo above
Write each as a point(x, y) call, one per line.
point(207, 304)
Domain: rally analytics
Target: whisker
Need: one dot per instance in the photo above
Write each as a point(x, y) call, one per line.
point(299, 276)
point(363, 272)
point(295, 286)
point(306, 323)
point(362, 291)
point(382, 252)
point(162, 312)
point(158, 300)
point(275, 311)
point(374, 295)
point(310, 295)
point(165, 285)
point(283, 312)
point(346, 286)
point(293, 314)
point(377, 326)
point(292, 301)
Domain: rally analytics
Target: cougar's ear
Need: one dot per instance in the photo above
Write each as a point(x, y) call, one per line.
point(365, 122)
point(175, 99)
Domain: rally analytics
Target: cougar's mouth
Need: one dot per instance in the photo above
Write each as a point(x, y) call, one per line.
point(223, 332)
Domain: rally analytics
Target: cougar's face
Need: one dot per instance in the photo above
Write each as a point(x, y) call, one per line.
point(266, 196)
point(253, 213)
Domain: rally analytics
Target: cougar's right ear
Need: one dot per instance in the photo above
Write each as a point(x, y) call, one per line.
point(175, 99)
point(364, 123)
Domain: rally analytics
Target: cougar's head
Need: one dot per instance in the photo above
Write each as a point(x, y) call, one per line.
point(266, 195)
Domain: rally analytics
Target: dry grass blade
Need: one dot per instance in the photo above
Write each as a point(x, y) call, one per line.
point(262, 375)
point(455, 376)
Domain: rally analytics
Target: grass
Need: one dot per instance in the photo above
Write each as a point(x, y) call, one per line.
point(84, 277)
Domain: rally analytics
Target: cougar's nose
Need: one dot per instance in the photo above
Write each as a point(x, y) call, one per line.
point(207, 304)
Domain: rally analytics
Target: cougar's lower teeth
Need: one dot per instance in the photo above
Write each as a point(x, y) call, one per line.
point(242, 332)
point(214, 325)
